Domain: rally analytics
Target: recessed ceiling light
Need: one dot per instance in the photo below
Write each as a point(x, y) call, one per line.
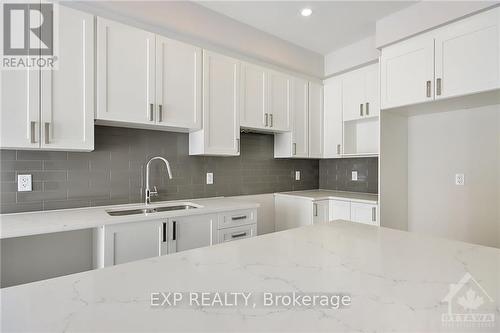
point(306, 12)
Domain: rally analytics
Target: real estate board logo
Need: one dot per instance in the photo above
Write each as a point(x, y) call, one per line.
point(469, 305)
point(29, 36)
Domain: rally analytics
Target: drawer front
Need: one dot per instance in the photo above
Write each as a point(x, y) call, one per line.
point(235, 233)
point(237, 218)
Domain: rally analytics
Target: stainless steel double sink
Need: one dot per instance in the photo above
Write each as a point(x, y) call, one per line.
point(151, 210)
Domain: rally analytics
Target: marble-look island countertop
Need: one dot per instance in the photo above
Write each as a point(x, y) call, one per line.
point(35, 223)
point(331, 194)
point(397, 281)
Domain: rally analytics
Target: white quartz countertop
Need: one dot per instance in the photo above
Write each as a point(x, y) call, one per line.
point(397, 281)
point(330, 194)
point(34, 223)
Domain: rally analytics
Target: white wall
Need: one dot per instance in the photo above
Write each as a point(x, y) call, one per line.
point(193, 23)
point(440, 145)
point(351, 56)
point(423, 16)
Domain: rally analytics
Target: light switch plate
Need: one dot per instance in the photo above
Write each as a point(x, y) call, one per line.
point(210, 178)
point(24, 183)
point(354, 175)
point(297, 175)
point(459, 179)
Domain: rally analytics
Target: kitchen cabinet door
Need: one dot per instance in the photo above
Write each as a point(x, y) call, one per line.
point(353, 95)
point(236, 233)
point(292, 212)
point(178, 84)
point(191, 232)
point(67, 110)
point(20, 109)
point(315, 120)
point(340, 210)
point(364, 213)
point(300, 111)
point(220, 134)
point(125, 73)
point(407, 72)
point(253, 110)
point(279, 101)
point(468, 55)
point(372, 93)
point(321, 211)
point(131, 241)
point(332, 114)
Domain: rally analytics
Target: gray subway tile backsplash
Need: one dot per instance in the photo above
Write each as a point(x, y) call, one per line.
point(114, 172)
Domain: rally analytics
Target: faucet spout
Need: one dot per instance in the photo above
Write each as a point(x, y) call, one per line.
point(148, 189)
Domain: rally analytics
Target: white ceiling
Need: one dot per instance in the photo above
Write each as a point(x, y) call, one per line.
point(332, 25)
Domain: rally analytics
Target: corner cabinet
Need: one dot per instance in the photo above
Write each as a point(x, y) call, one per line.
point(145, 80)
point(220, 132)
point(40, 110)
point(458, 59)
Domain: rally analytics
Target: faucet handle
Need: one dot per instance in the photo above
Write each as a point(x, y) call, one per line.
point(155, 192)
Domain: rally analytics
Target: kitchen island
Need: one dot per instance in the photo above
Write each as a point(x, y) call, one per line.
point(396, 280)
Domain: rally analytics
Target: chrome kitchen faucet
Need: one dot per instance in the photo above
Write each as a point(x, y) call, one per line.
point(148, 190)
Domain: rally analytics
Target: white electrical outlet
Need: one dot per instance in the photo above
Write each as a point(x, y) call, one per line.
point(24, 183)
point(459, 179)
point(210, 178)
point(297, 175)
point(354, 175)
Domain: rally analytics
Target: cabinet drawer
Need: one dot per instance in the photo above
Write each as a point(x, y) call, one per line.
point(236, 218)
point(235, 233)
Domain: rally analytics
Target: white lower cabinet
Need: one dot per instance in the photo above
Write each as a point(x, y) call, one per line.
point(122, 243)
point(340, 210)
point(364, 213)
point(295, 211)
point(126, 242)
point(190, 232)
point(321, 211)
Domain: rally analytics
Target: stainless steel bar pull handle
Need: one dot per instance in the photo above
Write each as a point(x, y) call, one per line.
point(294, 148)
point(361, 110)
point(238, 145)
point(33, 131)
point(47, 133)
point(315, 209)
point(239, 217)
point(266, 118)
point(271, 120)
point(164, 232)
point(374, 214)
point(338, 149)
point(174, 230)
point(438, 86)
point(151, 112)
point(160, 113)
point(241, 234)
point(367, 108)
point(428, 88)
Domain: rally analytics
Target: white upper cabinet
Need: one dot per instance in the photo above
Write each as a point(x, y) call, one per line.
point(300, 111)
point(468, 55)
point(20, 109)
point(67, 110)
point(315, 120)
point(220, 133)
point(178, 84)
point(353, 94)
point(125, 73)
point(332, 115)
point(254, 94)
point(360, 93)
point(279, 86)
point(53, 109)
point(458, 59)
point(407, 72)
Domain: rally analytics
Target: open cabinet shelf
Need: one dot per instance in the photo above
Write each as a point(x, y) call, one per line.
point(361, 137)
